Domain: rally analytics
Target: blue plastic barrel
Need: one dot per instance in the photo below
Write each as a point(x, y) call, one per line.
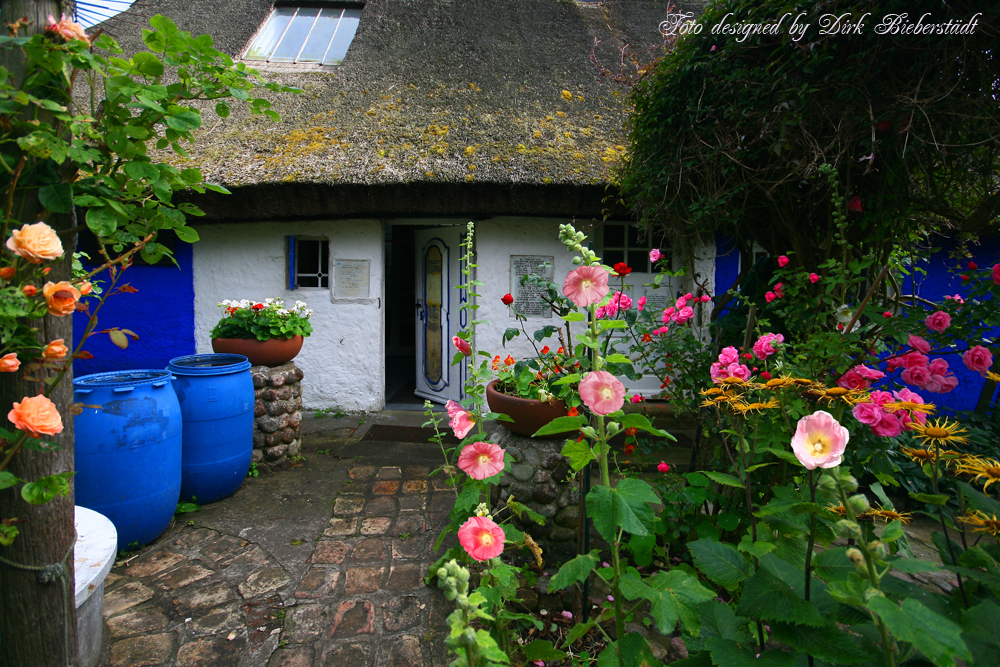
point(216, 396)
point(128, 451)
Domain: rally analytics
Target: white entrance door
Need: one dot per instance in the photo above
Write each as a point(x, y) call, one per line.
point(438, 317)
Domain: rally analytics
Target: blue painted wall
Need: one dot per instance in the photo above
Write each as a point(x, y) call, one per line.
point(161, 312)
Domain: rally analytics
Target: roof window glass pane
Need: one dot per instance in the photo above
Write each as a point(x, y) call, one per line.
point(270, 33)
point(300, 27)
point(319, 38)
point(342, 38)
point(306, 35)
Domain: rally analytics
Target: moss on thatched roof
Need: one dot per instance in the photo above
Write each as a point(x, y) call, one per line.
point(496, 94)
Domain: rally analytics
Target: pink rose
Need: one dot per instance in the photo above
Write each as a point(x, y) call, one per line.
point(919, 344)
point(705, 298)
point(868, 413)
point(978, 359)
point(852, 380)
point(738, 371)
point(813, 278)
point(889, 426)
point(882, 397)
point(764, 347)
point(663, 467)
point(938, 321)
point(770, 296)
point(683, 315)
point(913, 360)
point(681, 302)
point(869, 373)
point(783, 261)
point(918, 376)
point(854, 204)
point(655, 255)
point(642, 303)
point(996, 273)
point(728, 356)
point(938, 367)
point(718, 372)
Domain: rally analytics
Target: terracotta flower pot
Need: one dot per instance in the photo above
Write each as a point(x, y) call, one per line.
point(528, 414)
point(270, 352)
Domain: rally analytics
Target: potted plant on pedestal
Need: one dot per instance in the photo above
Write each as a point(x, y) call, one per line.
point(266, 333)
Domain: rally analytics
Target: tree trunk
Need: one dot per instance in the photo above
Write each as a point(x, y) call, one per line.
point(38, 620)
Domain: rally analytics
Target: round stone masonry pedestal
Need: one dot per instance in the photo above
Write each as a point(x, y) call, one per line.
point(541, 478)
point(277, 425)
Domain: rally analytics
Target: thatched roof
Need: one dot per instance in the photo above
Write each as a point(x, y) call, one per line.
point(441, 107)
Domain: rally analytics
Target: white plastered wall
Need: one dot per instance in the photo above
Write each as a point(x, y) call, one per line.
point(343, 359)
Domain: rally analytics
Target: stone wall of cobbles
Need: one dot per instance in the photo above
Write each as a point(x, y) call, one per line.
point(277, 426)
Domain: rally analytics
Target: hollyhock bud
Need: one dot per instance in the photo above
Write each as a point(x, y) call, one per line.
point(462, 345)
point(507, 299)
point(858, 503)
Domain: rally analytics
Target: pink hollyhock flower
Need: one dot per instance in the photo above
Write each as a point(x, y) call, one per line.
point(996, 273)
point(813, 278)
point(855, 204)
point(642, 303)
point(918, 376)
point(770, 296)
point(869, 373)
point(938, 321)
point(764, 347)
point(683, 315)
point(978, 359)
point(728, 356)
point(602, 392)
point(889, 426)
point(461, 421)
point(655, 255)
point(481, 460)
point(481, 538)
point(462, 345)
point(819, 441)
point(919, 344)
point(663, 467)
point(783, 261)
point(586, 285)
point(868, 413)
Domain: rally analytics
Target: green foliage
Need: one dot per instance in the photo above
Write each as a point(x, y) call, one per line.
point(263, 321)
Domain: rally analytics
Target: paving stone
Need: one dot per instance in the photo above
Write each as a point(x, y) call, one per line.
point(363, 580)
point(353, 617)
point(377, 525)
point(204, 598)
point(412, 504)
point(308, 622)
point(369, 549)
point(401, 613)
point(190, 538)
point(142, 651)
point(386, 488)
point(263, 582)
point(125, 597)
point(208, 652)
point(389, 473)
point(412, 524)
point(349, 654)
point(153, 563)
point(361, 472)
point(253, 556)
point(415, 486)
point(219, 621)
point(111, 580)
point(400, 652)
point(405, 576)
point(318, 582)
point(223, 546)
point(348, 505)
point(339, 526)
point(144, 619)
point(182, 576)
point(300, 656)
point(330, 551)
point(416, 472)
point(380, 506)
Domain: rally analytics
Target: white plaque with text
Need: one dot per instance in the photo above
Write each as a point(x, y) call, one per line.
point(528, 298)
point(352, 278)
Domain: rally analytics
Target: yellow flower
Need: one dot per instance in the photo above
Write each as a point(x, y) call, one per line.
point(922, 456)
point(778, 383)
point(938, 432)
point(983, 522)
point(911, 406)
point(993, 376)
point(889, 515)
point(747, 408)
point(989, 469)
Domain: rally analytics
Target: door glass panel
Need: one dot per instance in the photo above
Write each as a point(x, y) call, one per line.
point(433, 338)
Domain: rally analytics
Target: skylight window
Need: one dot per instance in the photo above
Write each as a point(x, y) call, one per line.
point(306, 35)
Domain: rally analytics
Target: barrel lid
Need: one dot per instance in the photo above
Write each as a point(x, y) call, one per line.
point(132, 378)
point(208, 364)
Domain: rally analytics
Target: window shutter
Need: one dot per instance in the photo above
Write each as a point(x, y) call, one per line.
point(292, 277)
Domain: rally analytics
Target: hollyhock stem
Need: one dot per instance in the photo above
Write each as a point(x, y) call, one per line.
point(944, 527)
point(812, 537)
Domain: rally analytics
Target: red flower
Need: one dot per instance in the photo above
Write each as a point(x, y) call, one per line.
point(545, 350)
point(573, 412)
point(972, 266)
point(883, 125)
point(766, 375)
point(507, 299)
point(561, 350)
point(629, 449)
point(622, 269)
point(964, 277)
point(257, 306)
point(854, 204)
point(508, 361)
point(646, 338)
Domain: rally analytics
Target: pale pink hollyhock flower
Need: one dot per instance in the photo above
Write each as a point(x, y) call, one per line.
point(655, 255)
point(462, 345)
point(917, 375)
point(819, 441)
point(978, 359)
point(938, 321)
point(783, 261)
point(461, 420)
point(481, 538)
point(683, 315)
point(770, 296)
point(764, 347)
point(642, 303)
point(663, 467)
point(538, 663)
point(889, 426)
point(481, 460)
point(602, 392)
point(919, 344)
point(813, 278)
point(867, 413)
point(729, 355)
point(586, 285)
point(9, 362)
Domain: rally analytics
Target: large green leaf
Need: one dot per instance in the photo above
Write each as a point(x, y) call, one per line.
point(561, 425)
point(673, 596)
point(719, 620)
point(728, 653)
point(579, 454)
point(574, 570)
point(833, 564)
point(542, 650)
point(58, 198)
point(639, 421)
point(828, 643)
point(635, 653)
point(102, 221)
point(721, 563)
point(765, 596)
point(722, 478)
point(981, 631)
point(932, 634)
point(625, 506)
point(138, 170)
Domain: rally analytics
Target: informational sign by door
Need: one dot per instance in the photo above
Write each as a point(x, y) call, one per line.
point(527, 297)
point(352, 279)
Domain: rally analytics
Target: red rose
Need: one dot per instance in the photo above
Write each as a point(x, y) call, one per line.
point(507, 299)
point(964, 277)
point(855, 204)
point(622, 269)
point(973, 266)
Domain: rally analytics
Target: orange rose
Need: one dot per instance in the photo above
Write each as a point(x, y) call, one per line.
point(9, 363)
point(61, 297)
point(35, 243)
point(86, 288)
point(29, 290)
point(7, 272)
point(36, 416)
point(55, 350)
